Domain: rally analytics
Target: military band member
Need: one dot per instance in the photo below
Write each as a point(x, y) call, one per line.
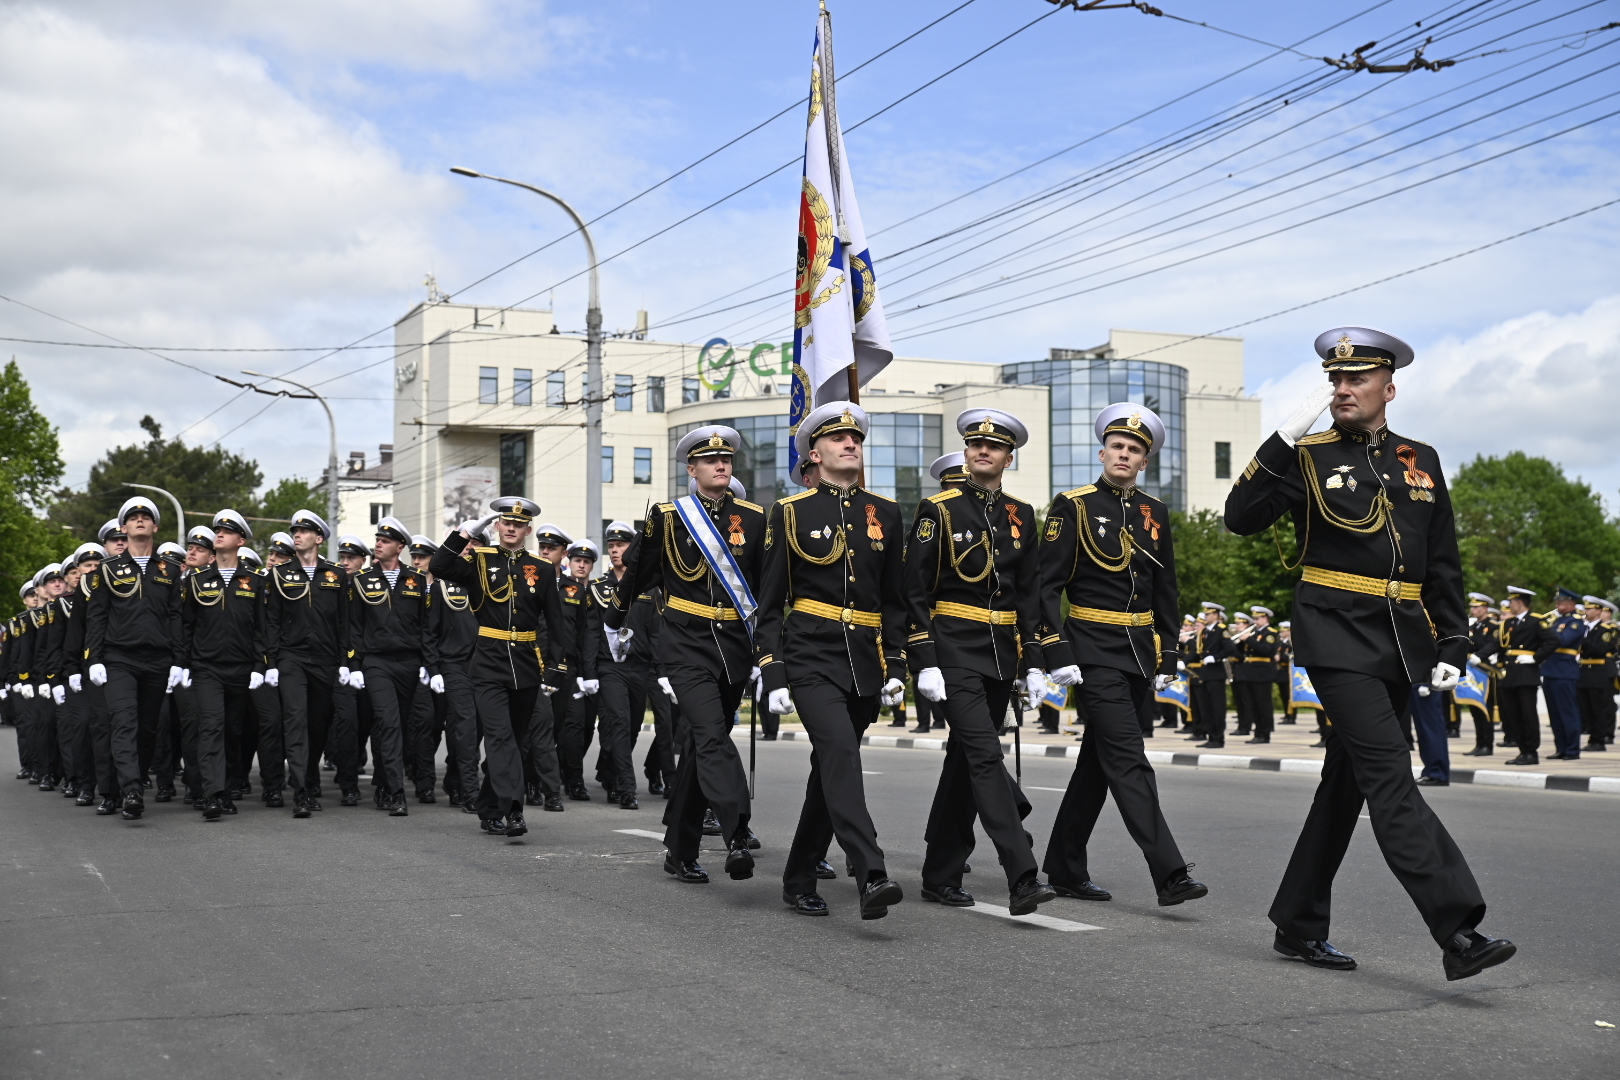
point(1598, 648)
point(524, 638)
point(1561, 676)
point(1524, 645)
point(1378, 610)
point(971, 613)
point(704, 648)
point(1284, 679)
point(831, 643)
point(1482, 649)
point(626, 665)
point(1207, 652)
point(1254, 664)
point(1108, 549)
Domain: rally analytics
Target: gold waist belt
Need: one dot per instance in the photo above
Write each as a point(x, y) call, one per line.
point(1257, 659)
point(1599, 660)
point(1367, 586)
point(508, 635)
point(1521, 652)
point(1568, 652)
point(716, 612)
point(844, 615)
point(975, 614)
point(1113, 618)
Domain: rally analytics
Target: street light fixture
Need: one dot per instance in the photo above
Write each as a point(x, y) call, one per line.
point(179, 514)
point(331, 457)
point(593, 358)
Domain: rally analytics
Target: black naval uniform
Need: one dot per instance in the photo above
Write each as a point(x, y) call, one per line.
point(1254, 669)
point(453, 625)
point(309, 610)
point(1206, 683)
point(626, 681)
point(1380, 603)
point(1284, 660)
point(575, 717)
point(971, 610)
point(1597, 661)
point(1482, 643)
point(1522, 636)
point(1109, 551)
point(524, 638)
point(832, 626)
point(132, 628)
point(705, 652)
point(388, 633)
point(225, 635)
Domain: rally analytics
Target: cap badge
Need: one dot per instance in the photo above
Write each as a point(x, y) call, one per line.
point(1135, 422)
point(1345, 349)
point(715, 440)
point(986, 427)
point(848, 417)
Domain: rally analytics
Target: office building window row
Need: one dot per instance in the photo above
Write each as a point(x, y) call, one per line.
point(623, 392)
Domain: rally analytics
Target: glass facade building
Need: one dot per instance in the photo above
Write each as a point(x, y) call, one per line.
point(1081, 385)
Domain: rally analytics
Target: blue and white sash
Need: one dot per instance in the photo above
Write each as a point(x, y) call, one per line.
point(718, 555)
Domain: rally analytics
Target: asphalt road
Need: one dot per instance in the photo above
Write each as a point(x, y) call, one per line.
point(358, 945)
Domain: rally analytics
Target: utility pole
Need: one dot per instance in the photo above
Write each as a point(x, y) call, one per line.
point(179, 514)
point(332, 506)
point(593, 360)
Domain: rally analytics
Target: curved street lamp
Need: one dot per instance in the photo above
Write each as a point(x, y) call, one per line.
point(179, 514)
point(331, 457)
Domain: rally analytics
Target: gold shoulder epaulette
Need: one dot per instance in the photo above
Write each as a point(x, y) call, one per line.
point(877, 495)
point(805, 494)
point(1330, 435)
point(486, 550)
point(666, 508)
point(749, 505)
point(945, 496)
point(1078, 492)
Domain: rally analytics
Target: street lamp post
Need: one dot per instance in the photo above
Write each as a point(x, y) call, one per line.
point(593, 359)
point(331, 459)
point(179, 513)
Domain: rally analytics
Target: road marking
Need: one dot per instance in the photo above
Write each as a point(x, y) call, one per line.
point(868, 772)
point(648, 833)
point(1059, 790)
point(1047, 921)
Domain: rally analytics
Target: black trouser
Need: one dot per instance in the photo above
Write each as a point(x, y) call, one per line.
point(974, 781)
point(1519, 717)
point(223, 701)
point(461, 733)
point(1284, 687)
point(422, 742)
point(659, 765)
point(622, 703)
point(185, 708)
point(343, 738)
point(306, 719)
point(391, 684)
point(576, 723)
point(1112, 759)
point(1254, 708)
point(72, 735)
point(1368, 762)
point(925, 713)
point(50, 746)
point(834, 795)
point(710, 775)
point(1209, 709)
point(1597, 714)
point(106, 776)
point(503, 721)
point(1484, 730)
point(269, 737)
point(166, 754)
point(540, 747)
point(135, 696)
point(242, 744)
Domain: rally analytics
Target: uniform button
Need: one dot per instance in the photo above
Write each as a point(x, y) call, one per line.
point(1400, 569)
point(1386, 476)
point(852, 577)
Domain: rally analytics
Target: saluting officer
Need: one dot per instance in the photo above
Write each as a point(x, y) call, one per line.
point(972, 609)
point(708, 578)
point(1378, 610)
point(1107, 547)
point(388, 633)
point(1206, 676)
point(1598, 650)
point(132, 632)
point(1254, 664)
point(1482, 649)
point(1524, 644)
point(524, 638)
point(830, 643)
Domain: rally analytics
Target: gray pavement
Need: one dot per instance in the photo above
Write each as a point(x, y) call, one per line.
point(357, 945)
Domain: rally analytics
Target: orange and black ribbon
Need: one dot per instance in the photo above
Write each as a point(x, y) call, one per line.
point(735, 533)
point(874, 530)
point(1017, 523)
point(1147, 521)
point(1414, 476)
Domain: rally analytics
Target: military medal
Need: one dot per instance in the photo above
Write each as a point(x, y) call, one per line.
point(735, 534)
point(874, 529)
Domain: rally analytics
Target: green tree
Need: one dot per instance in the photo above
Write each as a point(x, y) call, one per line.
point(1521, 521)
point(30, 463)
point(286, 499)
point(1238, 571)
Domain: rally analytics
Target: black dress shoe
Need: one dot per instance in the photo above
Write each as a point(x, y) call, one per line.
point(611, 794)
point(164, 794)
point(1320, 954)
point(1319, 743)
point(805, 903)
point(1469, 952)
point(750, 838)
point(300, 808)
point(1432, 781)
point(314, 792)
point(107, 807)
point(897, 723)
point(426, 796)
point(769, 736)
point(1029, 894)
point(1509, 742)
point(1528, 757)
point(1590, 747)
point(1211, 745)
point(312, 802)
point(920, 730)
point(212, 810)
point(85, 797)
point(1086, 890)
point(689, 872)
point(1259, 740)
point(516, 826)
point(577, 792)
point(1480, 751)
point(274, 800)
point(878, 897)
point(454, 798)
point(967, 868)
point(553, 803)
point(532, 796)
point(1181, 888)
point(469, 806)
point(949, 895)
point(350, 798)
point(711, 824)
point(824, 870)
point(739, 863)
point(47, 783)
point(228, 805)
point(397, 807)
point(627, 801)
point(654, 787)
point(70, 790)
point(134, 806)
point(493, 826)
point(379, 798)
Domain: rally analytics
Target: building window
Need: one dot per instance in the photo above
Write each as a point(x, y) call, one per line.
point(556, 389)
point(1223, 461)
point(514, 463)
point(522, 386)
point(607, 464)
point(380, 511)
point(643, 464)
point(689, 391)
point(489, 386)
point(655, 393)
point(624, 393)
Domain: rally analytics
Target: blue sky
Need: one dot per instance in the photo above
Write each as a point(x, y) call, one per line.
point(229, 173)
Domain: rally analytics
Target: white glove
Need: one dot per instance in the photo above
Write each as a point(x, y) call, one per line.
point(76, 683)
point(436, 684)
point(753, 677)
point(272, 676)
point(781, 701)
point(1181, 665)
point(98, 674)
point(255, 681)
point(1035, 685)
point(174, 677)
point(1162, 681)
point(357, 679)
point(1424, 691)
point(1207, 660)
point(1444, 677)
point(663, 684)
point(547, 689)
point(1067, 675)
point(4, 691)
point(893, 693)
point(474, 530)
point(422, 675)
point(1526, 659)
point(26, 691)
point(185, 678)
point(343, 676)
point(1476, 660)
point(931, 683)
point(1304, 417)
point(59, 693)
point(589, 686)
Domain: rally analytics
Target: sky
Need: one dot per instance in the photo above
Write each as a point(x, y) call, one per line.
point(220, 174)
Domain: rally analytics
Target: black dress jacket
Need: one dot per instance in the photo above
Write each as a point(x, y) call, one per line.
point(643, 621)
point(390, 620)
point(524, 635)
point(831, 600)
point(224, 626)
point(1379, 549)
point(453, 626)
point(1597, 655)
point(134, 614)
point(1109, 551)
point(1254, 658)
point(309, 615)
point(1212, 641)
point(1525, 635)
